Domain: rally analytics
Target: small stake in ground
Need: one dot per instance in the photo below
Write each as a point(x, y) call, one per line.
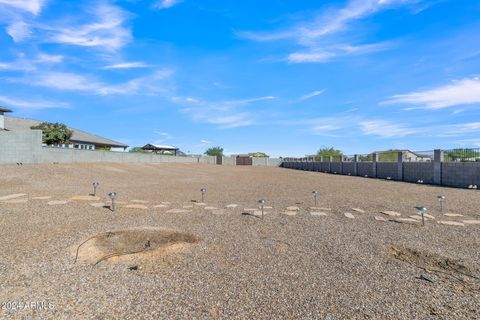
point(262, 204)
point(112, 196)
point(441, 198)
point(421, 211)
point(315, 193)
point(95, 185)
point(203, 190)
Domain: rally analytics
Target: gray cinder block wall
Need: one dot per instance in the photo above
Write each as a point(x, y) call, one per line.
point(20, 146)
point(26, 147)
point(452, 174)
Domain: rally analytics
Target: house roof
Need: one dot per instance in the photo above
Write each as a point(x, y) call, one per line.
point(151, 146)
point(18, 124)
point(2, 109)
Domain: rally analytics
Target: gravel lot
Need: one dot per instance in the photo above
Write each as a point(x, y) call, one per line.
point(286, 266)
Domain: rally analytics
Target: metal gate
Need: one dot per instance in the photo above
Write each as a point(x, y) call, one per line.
point(219, 159)
point(244, 161)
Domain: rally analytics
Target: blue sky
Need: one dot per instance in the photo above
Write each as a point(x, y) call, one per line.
point(284, 77)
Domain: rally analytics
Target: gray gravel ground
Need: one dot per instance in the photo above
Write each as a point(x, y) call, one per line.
point(282, 267)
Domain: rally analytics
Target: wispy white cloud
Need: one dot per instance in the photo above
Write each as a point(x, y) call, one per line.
point(317, 36)
point(29, 64)
point(106, 30)
point(461, 92)
point(162, 137)
point(19, 30)
point(31, 6)
point(165, 4)
point(386, 129)
point(17, 14)
point(147, 85)
point(326, 53)
point(127, 65)
point(225, 114)
point(312, 95)
point(32, 104)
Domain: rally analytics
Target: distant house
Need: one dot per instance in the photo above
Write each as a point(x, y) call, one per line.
point(162, 149)
point(408, 156)
point(80, 139)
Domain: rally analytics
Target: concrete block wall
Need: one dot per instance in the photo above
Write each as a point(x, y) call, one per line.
point(325, 166)
point(348, 168)
point(461, 174)
point(365, 168)
point(20, 146)
point(271, 162)
point(388, 169)
point(26, 147)
point(336, 167)
point(229, 161)
point(414, 171)
point(58, 155)
point(452, 174)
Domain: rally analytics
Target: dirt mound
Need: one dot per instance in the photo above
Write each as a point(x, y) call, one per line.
point(145, 244)
point(443, 267)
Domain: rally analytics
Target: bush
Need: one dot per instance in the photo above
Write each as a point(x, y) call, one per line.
point(54, 133)
point(214, 151)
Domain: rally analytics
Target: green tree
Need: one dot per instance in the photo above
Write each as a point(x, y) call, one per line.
point(214, 151)
point(390, 155)
point(259, 155)
point(462, 154)
point(326, 152)
point(54, 133)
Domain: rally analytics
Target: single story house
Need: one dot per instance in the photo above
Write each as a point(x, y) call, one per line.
point(80, 139)
point(408, 156)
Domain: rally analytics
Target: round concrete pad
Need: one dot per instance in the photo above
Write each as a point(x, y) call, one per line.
point(12, 196)
point(125, 246)
point(211, 208)
point(178, 211)
point(471, 221)
point(318, 213)
point(136, 206)
point(97, 204)
point(42, 198)
point(349, 215)
point(392, 213)
point(85, 198)
point(452, 223)
point(57, 202)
